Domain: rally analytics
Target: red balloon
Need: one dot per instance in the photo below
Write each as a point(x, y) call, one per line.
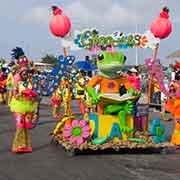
point(60, 24)
point(161, 27)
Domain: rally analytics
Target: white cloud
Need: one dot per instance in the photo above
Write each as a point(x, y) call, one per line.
point(122, 16)
point(39, 14)
point(103, 14)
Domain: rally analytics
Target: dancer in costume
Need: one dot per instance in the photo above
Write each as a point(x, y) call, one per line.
point(23, 105)
point(65, 96)
point(11, 81)
point(56, 100)
point(80, 85)
point(3, 84)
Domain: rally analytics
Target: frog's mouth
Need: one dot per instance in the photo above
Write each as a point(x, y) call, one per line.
point(114, 68)
point(110, 70)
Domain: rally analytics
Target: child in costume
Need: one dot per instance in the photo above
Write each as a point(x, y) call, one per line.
point(23, 105)
point(66, 96)
point(80, 90)
point(56, 101)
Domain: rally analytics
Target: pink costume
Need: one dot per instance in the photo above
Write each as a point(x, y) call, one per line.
point(135, 81)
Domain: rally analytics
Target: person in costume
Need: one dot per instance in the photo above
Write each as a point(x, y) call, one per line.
point(134, 79)
point(112, 82)
point(10, 80)
point(23, 105)
point(156, 95)
point(3, 84)
point(56, 100)
point(172, 105)
point(80, 84)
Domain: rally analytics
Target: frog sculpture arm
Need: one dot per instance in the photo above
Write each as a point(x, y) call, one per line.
point(109, 66)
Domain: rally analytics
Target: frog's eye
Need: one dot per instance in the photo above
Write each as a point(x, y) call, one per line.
point(124, 59)
point(100, 57)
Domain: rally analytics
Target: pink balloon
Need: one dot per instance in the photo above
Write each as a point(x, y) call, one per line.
point(60, 24)
point(161, 27)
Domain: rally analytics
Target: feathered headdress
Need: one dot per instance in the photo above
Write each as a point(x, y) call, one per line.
point(18, 54)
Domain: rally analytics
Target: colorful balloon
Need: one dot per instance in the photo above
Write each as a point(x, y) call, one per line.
point(60, 24)
point(161, 27)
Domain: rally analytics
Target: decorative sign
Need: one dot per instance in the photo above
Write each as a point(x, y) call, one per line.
point(92, 40)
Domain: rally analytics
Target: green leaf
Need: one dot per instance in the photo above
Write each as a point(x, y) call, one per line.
point(101, 140)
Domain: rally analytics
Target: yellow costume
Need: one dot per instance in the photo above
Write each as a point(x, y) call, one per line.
point(80, 93)
point(56, 100)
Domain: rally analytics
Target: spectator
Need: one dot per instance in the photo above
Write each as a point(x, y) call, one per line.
point(134, 79)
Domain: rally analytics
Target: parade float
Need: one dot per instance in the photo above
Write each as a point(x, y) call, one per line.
point(120, 123)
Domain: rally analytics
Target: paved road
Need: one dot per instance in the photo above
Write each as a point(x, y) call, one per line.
point(47, 162)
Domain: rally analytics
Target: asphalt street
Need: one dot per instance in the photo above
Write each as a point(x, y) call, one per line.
point(49, 162)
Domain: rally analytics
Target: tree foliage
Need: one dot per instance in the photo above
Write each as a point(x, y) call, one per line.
point(49, 59)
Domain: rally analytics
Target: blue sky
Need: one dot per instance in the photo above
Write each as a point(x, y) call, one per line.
point(25, 23)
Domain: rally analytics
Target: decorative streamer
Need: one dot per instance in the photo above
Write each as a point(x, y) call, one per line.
point(160, 75)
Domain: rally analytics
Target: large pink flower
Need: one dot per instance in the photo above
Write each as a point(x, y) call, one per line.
point(77, 131)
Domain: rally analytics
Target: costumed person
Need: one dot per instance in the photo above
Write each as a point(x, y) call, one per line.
point(65, 93)
point(56, 100)
point(166, 82)
point(156, 95)
point(80, 84)
point(23, 105)
point(3, 85)
point(109, 64)
point(10, 80)
point(134, 79)
point(173, 105)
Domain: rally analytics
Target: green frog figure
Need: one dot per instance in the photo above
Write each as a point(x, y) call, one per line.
point(112, 81)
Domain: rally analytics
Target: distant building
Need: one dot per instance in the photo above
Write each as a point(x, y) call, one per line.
point(43, 66)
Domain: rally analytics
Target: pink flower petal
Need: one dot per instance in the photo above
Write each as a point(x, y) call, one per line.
point(72, 139)
point(79, 140)
point(86, 128)
point(85, 134)
point(67, 127)
point(67, 133)
point(82, 123)
point(75, 123)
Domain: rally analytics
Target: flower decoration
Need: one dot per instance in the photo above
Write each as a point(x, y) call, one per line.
point(143, 41)
point(24, 121)
point(77, 131)
point(28, 117)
